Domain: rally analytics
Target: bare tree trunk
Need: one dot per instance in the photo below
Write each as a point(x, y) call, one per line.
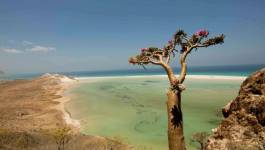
point(175, 122)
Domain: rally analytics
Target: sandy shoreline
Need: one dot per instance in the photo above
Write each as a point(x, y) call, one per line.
point(33, 104)
point(71, 83)
point(39, 103)
point(34, 110)
point(210, 77)
point(68, 83)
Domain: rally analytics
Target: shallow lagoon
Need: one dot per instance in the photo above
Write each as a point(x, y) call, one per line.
point(134, 109)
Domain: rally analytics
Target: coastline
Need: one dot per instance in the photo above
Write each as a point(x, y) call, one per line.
point(72, 83)
point(98, 82)
point(39, 103)
point(68, 83)
point(35, 109)
point(210, 77)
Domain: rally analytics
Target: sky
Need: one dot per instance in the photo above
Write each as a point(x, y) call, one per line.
point(74, 35)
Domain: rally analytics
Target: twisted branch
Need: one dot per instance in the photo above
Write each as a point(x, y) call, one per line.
point(162, 57)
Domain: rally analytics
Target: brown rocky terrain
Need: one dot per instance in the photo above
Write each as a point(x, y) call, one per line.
point(244, 125)
point(26, 104)
point(31, 119)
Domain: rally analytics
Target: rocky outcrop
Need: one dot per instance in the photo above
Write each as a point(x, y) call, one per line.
point(244, 125)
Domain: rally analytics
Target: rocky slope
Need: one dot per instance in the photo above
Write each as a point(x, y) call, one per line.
point(244, 125)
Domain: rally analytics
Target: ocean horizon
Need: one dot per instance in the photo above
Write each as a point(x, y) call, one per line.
point(233, 70)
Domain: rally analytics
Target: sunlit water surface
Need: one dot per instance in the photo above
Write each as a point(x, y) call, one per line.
point(134, 109)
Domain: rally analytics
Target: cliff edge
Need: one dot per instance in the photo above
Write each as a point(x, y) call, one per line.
point(243, 127)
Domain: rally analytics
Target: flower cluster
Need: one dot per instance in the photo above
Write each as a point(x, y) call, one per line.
point(170, 44)
point(150, 50)
point(178, 37)
point(180, 43)
point(168, 47)
point(202, 33)
point(213, 41)
point(144, 50)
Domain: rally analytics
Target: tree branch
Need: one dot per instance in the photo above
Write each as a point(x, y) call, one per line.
point(186, 39)
point(183, 64)
point(170, 52)
point(172, 78)
point(157, 56)
point(168, 59)
point(196, 45)
point(155, 62)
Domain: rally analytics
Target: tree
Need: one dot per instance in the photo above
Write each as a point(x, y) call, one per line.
point(182, 44)
point(61, 136)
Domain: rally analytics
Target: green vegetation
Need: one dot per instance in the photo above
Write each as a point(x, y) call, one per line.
point(61, 136)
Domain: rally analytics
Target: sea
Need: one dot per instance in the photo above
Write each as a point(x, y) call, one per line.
point(232, 70)
point(133, 110)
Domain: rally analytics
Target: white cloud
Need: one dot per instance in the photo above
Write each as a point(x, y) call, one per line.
point(11, 50)
point(39, 48)
point(26, 43)
point(27, 46)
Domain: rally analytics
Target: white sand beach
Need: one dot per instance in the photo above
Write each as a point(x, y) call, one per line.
point(210, 77)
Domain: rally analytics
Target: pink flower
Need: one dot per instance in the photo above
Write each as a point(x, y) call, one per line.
point(144, 49)
point(202, 32)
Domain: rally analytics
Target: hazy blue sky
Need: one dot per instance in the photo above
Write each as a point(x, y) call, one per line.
point(68, 35)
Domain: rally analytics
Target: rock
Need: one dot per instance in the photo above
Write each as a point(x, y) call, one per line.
point(244, 125)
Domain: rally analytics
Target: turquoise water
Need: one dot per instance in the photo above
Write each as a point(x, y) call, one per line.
point(236, 70)
point(134, 109)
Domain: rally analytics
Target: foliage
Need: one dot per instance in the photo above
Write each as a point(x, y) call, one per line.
point(183, 44)
point(61, 136)
point(45, 139)
point(20, 140)
point(4, 138)
point(180, 42)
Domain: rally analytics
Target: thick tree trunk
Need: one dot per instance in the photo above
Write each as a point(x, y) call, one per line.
point(175, 122)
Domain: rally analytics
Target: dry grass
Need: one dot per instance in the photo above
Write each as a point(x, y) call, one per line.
point(28, 120)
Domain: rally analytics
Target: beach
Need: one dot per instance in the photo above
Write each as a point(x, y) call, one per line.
point(132, 75)
point(128, 109)
point(34, 110)
point(132, 108)
point(28, 104)
point(37, 103)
